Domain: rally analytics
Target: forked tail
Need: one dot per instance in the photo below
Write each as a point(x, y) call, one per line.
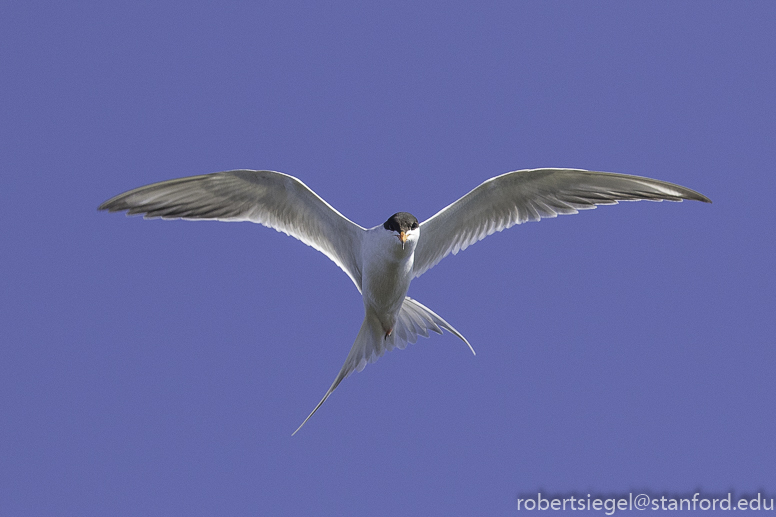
point(371, 342)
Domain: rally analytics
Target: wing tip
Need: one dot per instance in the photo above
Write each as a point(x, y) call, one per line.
point(115, 204)
point(695, 196)
point(109, 206)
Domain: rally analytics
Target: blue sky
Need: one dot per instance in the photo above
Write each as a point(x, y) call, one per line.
point(159, 367)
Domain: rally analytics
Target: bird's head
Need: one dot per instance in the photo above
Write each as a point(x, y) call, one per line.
point(405, 227)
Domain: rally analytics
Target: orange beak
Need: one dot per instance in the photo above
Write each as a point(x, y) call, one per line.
point(403, 237)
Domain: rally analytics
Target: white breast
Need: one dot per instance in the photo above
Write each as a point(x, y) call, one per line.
point(387, 272)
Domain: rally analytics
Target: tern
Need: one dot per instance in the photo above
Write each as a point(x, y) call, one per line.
point(382, 261)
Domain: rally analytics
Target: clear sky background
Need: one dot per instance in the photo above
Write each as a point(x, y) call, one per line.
point(159, 367)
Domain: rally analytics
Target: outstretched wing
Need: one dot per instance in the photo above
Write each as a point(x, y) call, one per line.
point(270, 198)
point(530, 195)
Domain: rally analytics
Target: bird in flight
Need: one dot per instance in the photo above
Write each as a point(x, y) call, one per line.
point(382, 261)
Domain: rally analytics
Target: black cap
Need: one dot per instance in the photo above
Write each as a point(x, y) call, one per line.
point(401, 222)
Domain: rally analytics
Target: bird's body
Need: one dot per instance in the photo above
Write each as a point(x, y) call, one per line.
point(387, 273)
point(382, 261)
